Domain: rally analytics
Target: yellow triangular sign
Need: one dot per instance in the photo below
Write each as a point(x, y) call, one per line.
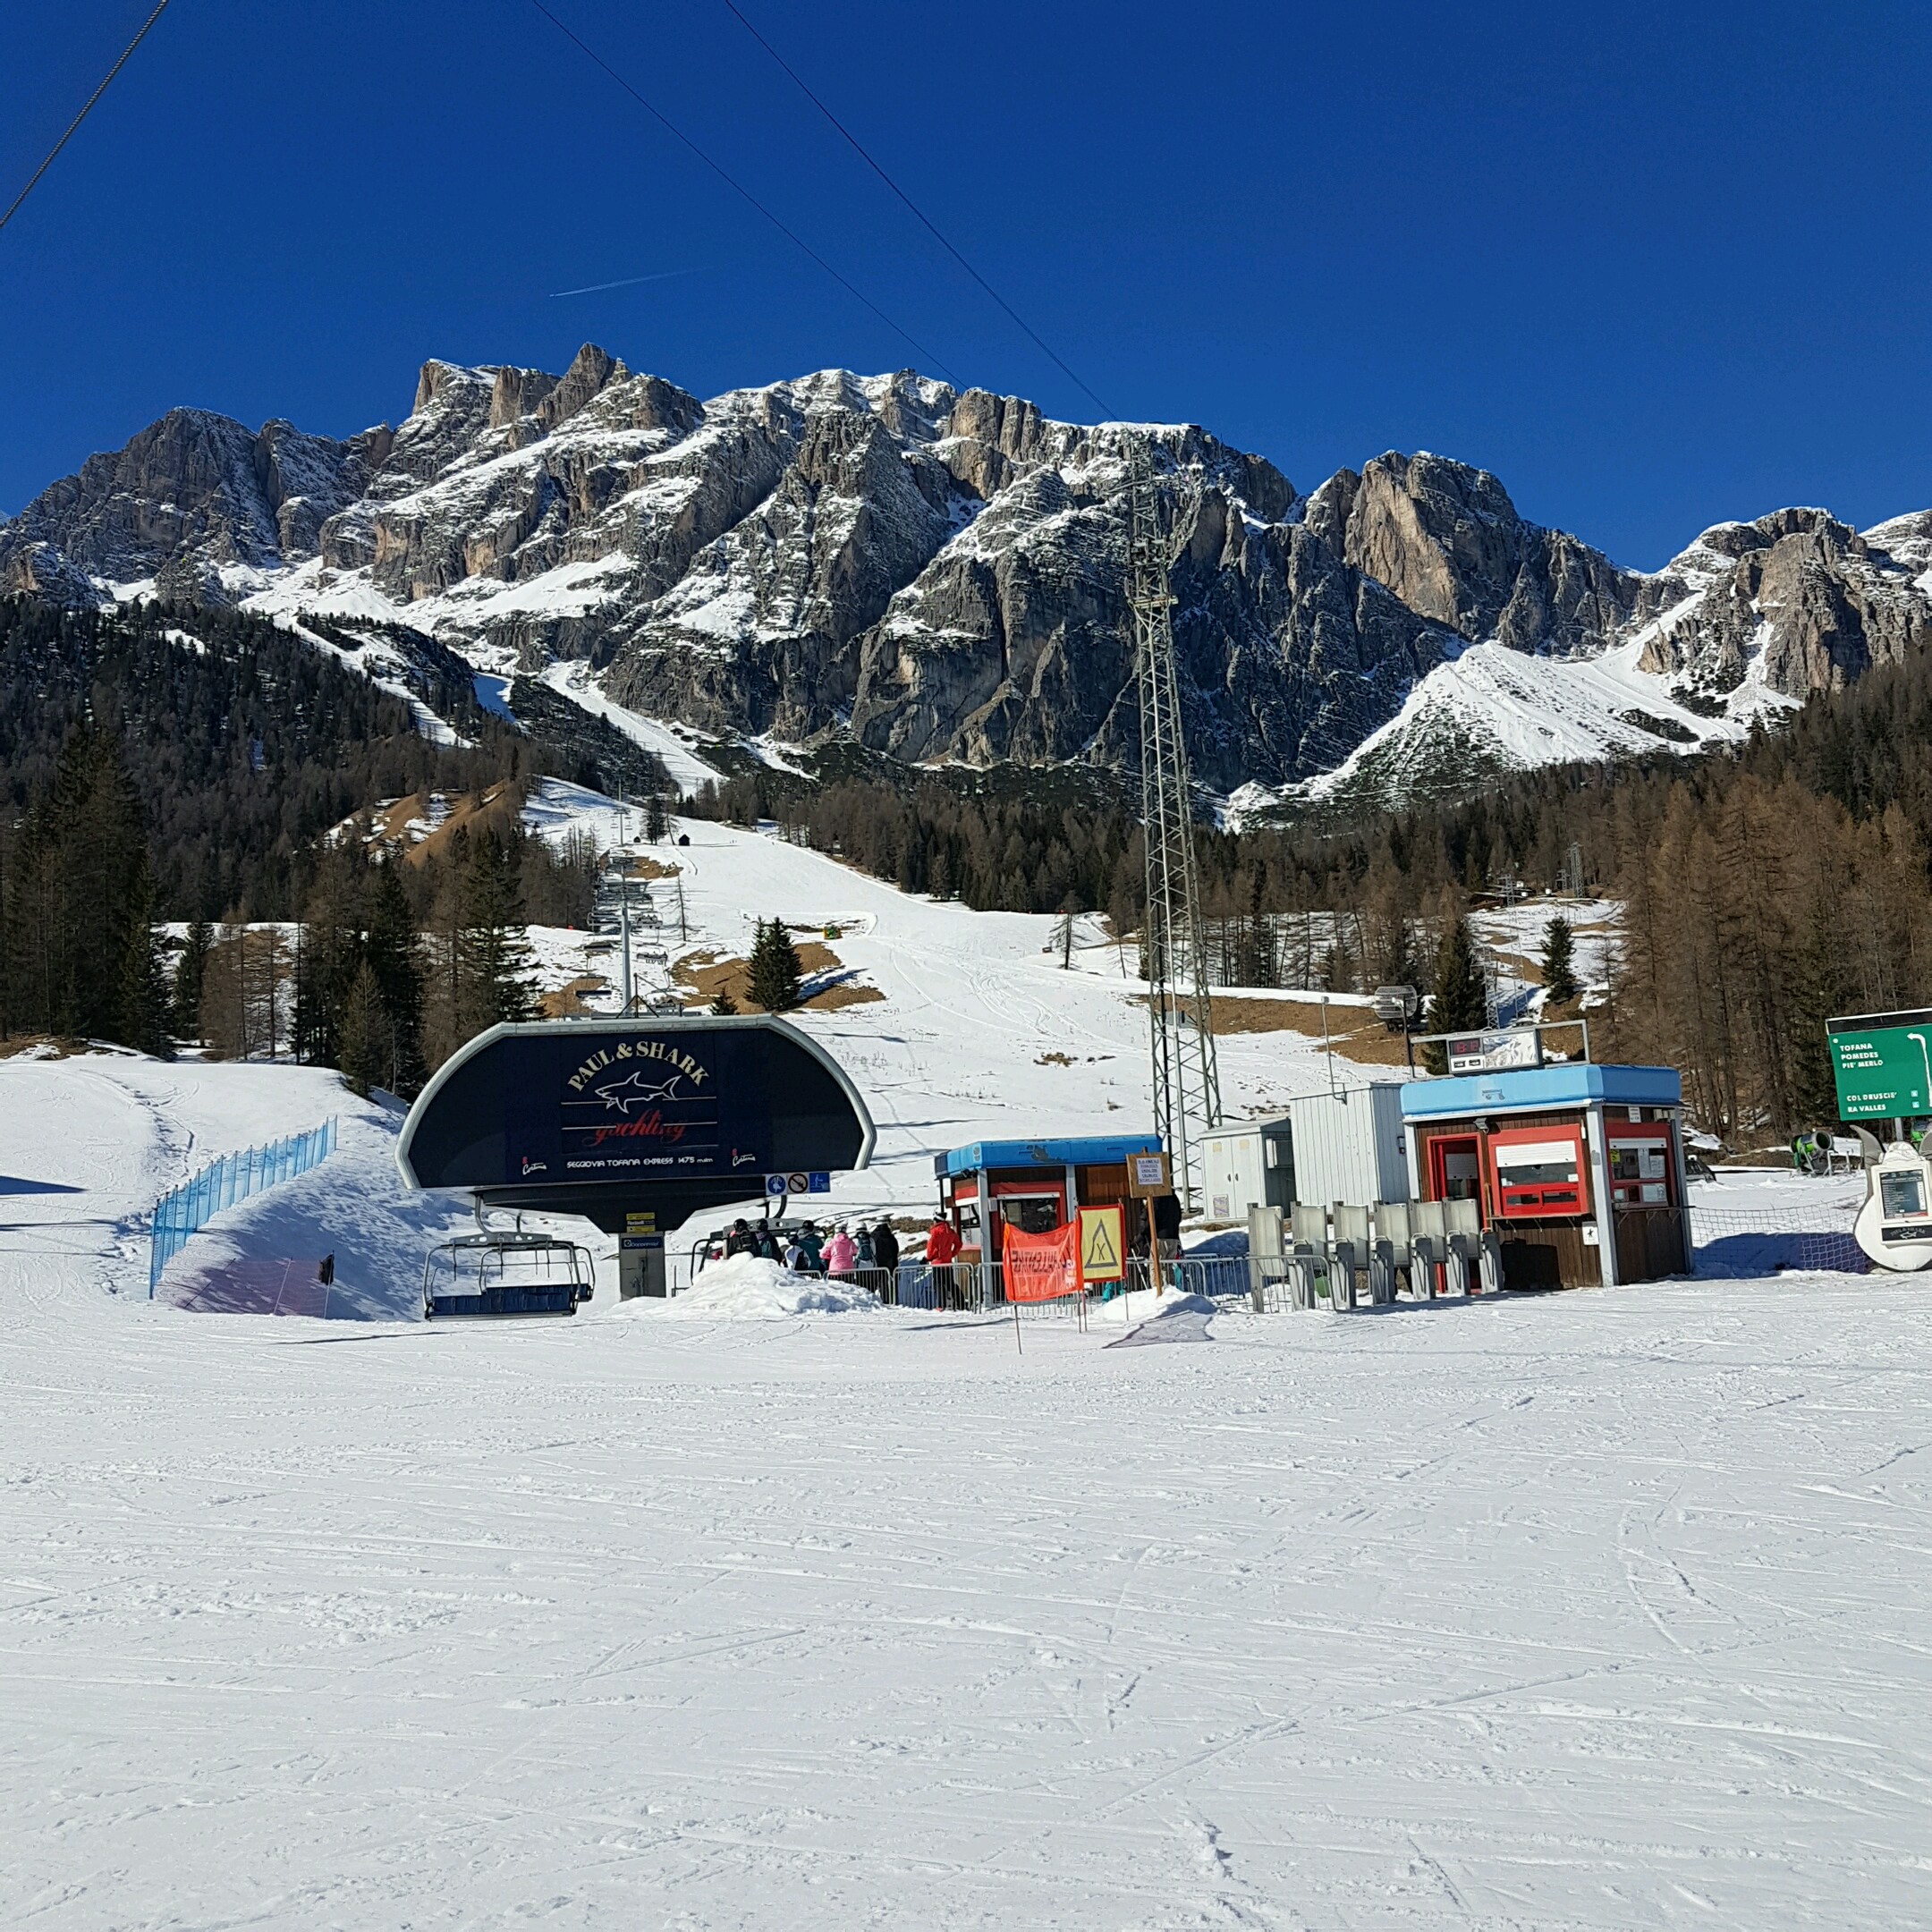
point(1101, 1230)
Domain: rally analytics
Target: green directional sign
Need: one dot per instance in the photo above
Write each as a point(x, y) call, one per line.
point(1883, 1071)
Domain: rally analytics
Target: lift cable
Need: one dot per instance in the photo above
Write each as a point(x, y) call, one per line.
point(82, 115)
point(738, 187)
point(925, 220)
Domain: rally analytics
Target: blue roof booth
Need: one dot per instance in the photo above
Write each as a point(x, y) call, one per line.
point(1033, 1185)
point(1578, 1168)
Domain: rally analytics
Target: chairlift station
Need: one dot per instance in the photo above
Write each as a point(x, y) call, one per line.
point(633, 1124)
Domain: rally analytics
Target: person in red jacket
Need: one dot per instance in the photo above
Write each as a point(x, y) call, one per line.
point(941, 1248)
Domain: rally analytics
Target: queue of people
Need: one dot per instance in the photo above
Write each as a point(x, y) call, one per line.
point(848, 1253)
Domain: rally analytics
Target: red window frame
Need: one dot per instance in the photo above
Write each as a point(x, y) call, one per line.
point(1542, 1201)
point(1630, 1193)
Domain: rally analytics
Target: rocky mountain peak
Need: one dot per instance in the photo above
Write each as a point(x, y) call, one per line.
point(1446, 540)
point(1795, 599)
point(935, 572)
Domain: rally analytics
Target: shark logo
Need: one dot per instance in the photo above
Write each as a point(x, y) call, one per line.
point(634, 1090)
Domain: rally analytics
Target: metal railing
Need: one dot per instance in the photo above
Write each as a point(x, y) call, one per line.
point(234, 1177)
point(976, 1287)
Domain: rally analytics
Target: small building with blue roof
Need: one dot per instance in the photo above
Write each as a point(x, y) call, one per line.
point(1578, 1167)
point(1035, 1186)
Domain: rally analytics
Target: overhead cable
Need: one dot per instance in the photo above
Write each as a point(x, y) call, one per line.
point(739, 187)
point(82, 115)
point(931, 228)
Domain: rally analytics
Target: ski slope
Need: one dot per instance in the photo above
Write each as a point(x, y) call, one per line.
point(974, 1005)
point(1586, 1612)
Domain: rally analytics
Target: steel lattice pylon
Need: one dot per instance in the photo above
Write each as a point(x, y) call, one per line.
point(1187, 1082)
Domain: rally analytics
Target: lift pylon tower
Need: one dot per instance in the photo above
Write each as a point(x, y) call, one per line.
point(1187, 1082)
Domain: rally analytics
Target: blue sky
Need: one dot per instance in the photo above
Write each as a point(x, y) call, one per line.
point(1653, 265)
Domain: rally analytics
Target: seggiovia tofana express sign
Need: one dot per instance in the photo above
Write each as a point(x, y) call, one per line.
point(563, 1104)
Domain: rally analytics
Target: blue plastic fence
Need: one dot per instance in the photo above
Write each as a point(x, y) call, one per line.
point(231, 1179)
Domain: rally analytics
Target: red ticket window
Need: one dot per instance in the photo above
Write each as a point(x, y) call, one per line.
point(1538, 1172)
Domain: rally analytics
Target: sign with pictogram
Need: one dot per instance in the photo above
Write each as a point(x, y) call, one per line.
point(818, 1182)
point(1103, 1243)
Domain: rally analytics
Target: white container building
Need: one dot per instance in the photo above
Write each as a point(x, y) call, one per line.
point(1348, 1145)
point(1244, 1168)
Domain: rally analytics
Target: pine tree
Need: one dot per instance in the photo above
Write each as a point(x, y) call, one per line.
point(81, 954)
point(654, 817)
point(366, 1051)
point(494, 937)
point(185, 995)
point(723, 1005)
point(392, 951)
point(1261, 965)
point(1559, 961)
point(1459, 999)
point(773, 982)
point(331, 953)
point(1062, 939)
point(143, 987)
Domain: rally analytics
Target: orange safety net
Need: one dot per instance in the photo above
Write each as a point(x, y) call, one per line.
point(1041, 1267)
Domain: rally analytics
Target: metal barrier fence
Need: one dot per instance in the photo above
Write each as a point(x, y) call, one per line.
point(976, 1287)
point(223, 1183)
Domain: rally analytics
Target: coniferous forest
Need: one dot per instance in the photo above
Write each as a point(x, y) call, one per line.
point(187, 765)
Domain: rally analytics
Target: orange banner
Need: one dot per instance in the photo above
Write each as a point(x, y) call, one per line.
point(1041, 1267)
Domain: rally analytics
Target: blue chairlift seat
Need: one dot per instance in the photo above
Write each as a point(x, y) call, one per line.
point(496, 1275)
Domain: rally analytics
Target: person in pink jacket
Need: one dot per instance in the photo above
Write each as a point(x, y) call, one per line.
point(841, 1253)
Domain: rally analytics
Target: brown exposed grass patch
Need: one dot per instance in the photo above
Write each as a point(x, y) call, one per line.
point(1354, 1033)
point(567, 1002)
point(476, 810)
point(53, 1048)
point(708, 974)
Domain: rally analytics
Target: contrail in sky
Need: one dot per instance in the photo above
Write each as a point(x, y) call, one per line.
point(598, 288)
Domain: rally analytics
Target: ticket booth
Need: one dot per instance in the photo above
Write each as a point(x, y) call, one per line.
point(1033, 1185)
point(1578, 1168)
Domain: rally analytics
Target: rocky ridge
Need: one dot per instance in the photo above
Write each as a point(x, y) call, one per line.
point(937, 574)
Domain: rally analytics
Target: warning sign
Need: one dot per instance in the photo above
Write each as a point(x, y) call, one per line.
point(1147, 1173)
point(1103, 1243)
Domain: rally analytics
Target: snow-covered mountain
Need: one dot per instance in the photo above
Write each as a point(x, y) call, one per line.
point(936, 574)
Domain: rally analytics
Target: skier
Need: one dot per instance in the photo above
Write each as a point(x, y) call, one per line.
point(942, 1246)
point(840, 1254)
point(808, 1241)
point(739, 1241)
point(885, 1259)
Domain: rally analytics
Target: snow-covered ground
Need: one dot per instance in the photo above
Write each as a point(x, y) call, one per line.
point(1594, 1611)
point(1586, 1611)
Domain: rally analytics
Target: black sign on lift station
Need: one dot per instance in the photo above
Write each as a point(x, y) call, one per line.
point(608, 1119)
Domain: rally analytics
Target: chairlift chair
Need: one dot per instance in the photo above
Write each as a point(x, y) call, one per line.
point(506, 1274)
